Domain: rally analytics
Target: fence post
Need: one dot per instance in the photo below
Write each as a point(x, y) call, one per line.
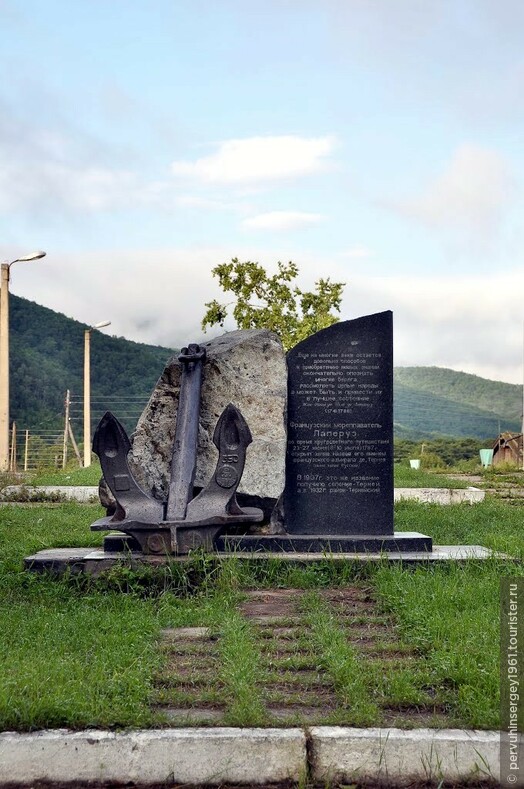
point(66, 423)
point(12, 460)
point(26, 450)
point(75, 445)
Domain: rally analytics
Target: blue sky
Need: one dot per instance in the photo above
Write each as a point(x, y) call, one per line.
point(377, 142)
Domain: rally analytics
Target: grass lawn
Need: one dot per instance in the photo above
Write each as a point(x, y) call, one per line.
point(87, 652)
point(72, 476)
point(406, 477)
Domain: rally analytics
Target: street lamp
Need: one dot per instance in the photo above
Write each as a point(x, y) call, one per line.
point(87, 390)
point(4, 356)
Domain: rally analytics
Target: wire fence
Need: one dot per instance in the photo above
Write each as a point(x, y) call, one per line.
point(126, 409)
point(34, 449)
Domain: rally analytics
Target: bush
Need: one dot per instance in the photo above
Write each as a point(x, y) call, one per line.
point(430, 460)
point(467, 466)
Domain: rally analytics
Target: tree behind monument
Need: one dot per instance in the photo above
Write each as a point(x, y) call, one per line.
point(274, 302)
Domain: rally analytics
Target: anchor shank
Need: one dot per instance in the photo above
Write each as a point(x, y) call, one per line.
point(183, 463)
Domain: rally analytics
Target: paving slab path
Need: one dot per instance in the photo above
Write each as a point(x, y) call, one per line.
point(294, 679)
point(298, 745)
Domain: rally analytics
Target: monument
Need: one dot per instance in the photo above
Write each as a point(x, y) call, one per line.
point(338, 492)
point(339, 465)
point(179, 487)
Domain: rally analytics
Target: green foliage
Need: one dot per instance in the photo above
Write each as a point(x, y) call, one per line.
point(450, 451)
point(274, 302)
point(47, 358)
point(430, 415)
point(430, 460)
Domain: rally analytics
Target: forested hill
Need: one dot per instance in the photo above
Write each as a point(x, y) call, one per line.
point(47, 358)
point(437, 401)
point(47, 355)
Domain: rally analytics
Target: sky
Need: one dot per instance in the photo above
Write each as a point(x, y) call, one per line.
point(375, 142)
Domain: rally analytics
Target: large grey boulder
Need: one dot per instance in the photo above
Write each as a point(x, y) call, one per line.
point(246, 368)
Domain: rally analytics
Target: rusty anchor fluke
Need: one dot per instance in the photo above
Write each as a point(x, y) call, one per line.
point(181, 523)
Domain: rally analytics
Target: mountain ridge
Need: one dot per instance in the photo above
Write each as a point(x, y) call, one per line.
point(46, 359)
point(434, 401)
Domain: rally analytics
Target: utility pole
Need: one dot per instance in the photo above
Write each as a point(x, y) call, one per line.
point(4, 368)
point(87, 398)
point(66, 423)
point(4, 356)
point(87, 390)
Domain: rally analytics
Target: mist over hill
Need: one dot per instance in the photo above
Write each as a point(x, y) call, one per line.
point(46, 359)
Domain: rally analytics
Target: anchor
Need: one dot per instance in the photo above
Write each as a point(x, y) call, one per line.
point(181, 523)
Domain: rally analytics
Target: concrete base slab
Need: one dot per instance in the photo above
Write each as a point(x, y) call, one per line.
point(84, 494)
point(93, 562)
point(180, 756)
point(344, 754)
point(88, 494)
point(441, 495)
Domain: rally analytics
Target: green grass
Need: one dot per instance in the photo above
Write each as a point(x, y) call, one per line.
point(75, 660)
point(239, 670)
point(502, 477)
point(493, 523)
point(340, 661)
point(406, 477)
point(68, 657)
point(70, 476)
point(25, 530)
point(85, 652)
point(451, 615)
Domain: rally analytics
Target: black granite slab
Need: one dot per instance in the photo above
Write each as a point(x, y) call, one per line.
point(339, 464)
point(327, 543)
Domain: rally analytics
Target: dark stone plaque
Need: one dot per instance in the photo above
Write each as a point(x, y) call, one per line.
point(339, 465)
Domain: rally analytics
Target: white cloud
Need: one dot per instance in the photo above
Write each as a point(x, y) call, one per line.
point(468, 200)
point(259, 159)
point(47, 172)
point(281, 220)
point(359, 251)
point(450, 321)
